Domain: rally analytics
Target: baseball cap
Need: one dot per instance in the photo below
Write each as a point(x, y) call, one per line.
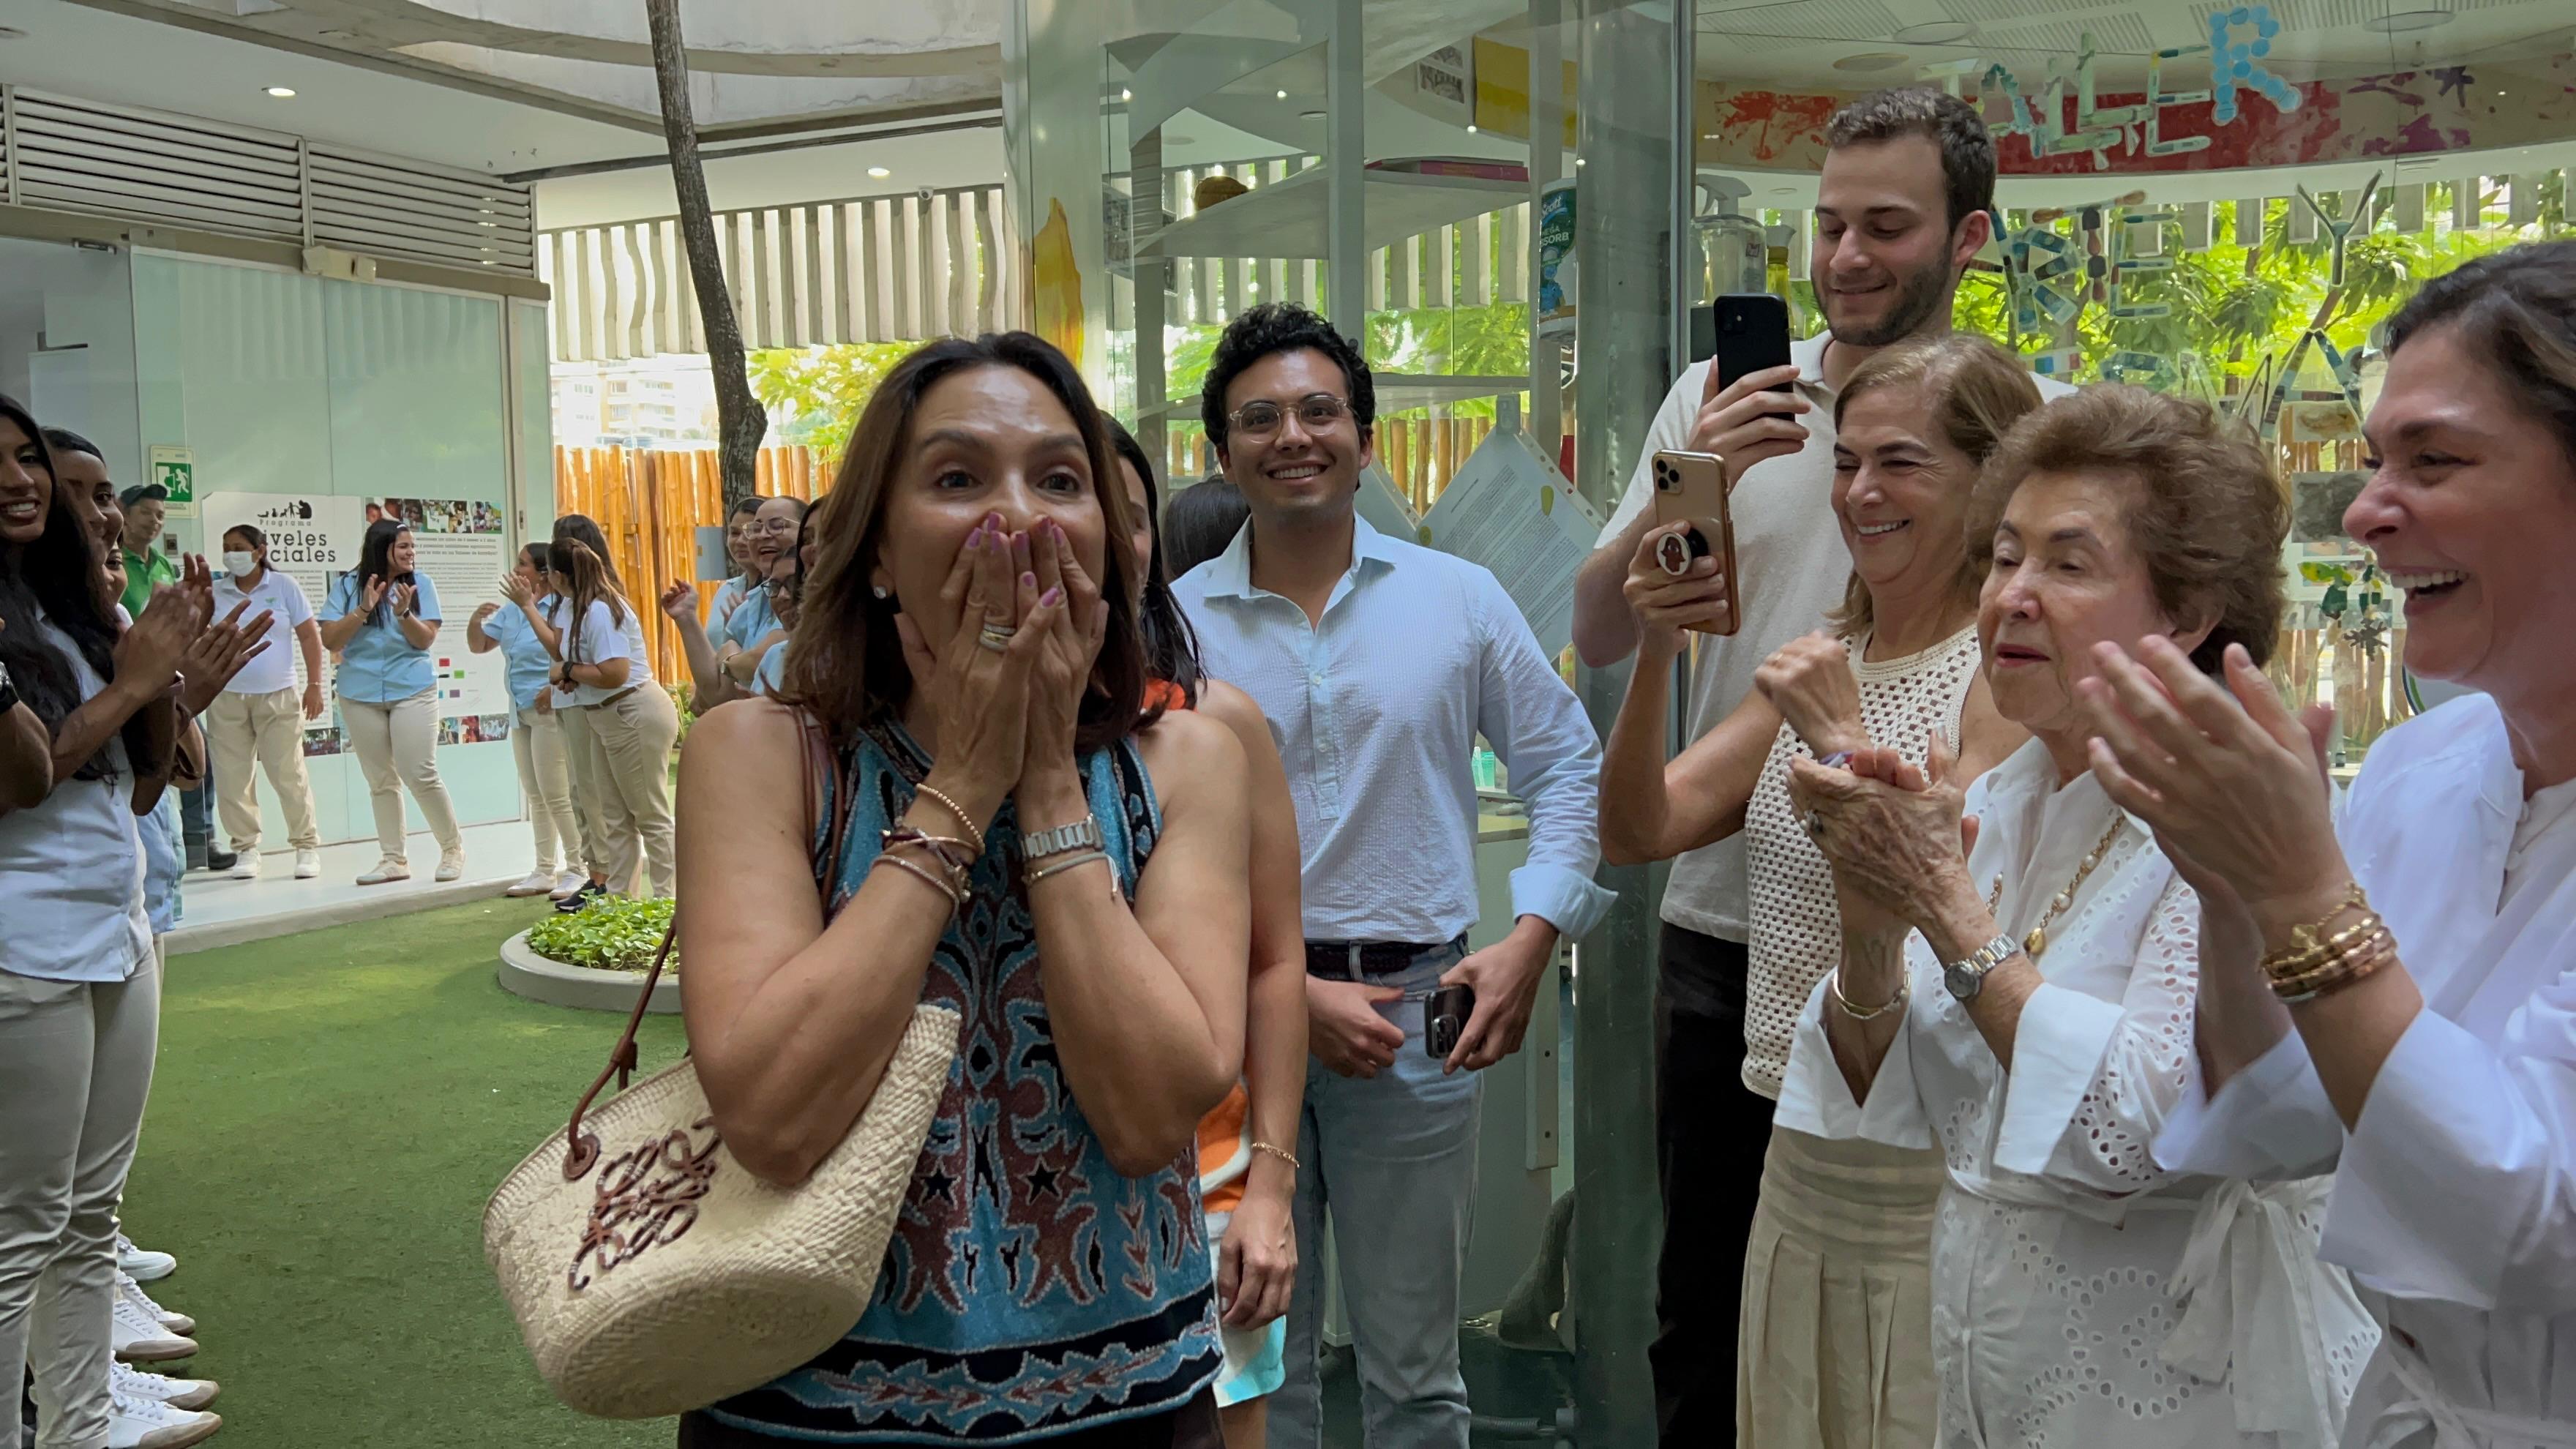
point(141, 492)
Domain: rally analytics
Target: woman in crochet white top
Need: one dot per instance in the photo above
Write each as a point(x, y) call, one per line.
point(1841, 1242)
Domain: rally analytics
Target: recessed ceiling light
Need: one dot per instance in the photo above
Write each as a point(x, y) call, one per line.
point(2406, 20)
point(1872, 60)
point(1283, 95)
point(283, 93)
point(1578, 160)
point(1937, 32)
point(1471, 128)
point(879, 173)
point(1126, 95)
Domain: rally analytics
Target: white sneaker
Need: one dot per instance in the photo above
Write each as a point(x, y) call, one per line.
point(451, 865)
point(137, 1335)
point(177, 1393)
point(142, 1264)
point(308, 864)
point(132, 1292)
point(538, 883)
point(569, 884)
point(246, 866)
point(387, 870)
point(139, 1423)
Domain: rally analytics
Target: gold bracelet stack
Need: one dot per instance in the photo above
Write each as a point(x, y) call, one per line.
point(952, 861)
point(2316, 964)
point(974, 836)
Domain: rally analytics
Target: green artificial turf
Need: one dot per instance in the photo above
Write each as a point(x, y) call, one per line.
point(329, 1113)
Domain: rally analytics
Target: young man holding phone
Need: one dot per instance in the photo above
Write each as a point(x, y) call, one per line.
point(1378, 663)
point(1903, 205)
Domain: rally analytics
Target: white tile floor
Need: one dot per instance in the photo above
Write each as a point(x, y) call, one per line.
point(216, 910)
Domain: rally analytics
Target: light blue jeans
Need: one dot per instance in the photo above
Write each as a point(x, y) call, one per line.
point(1394, 1160)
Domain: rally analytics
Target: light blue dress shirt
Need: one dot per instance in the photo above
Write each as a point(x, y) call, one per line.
point(525, 654)
point(161, 863)
point(602, 638)
point(751, 620)
point(1377, 712)
point(379, 666)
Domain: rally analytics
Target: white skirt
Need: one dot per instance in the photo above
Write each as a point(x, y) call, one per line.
point(1834, 1334)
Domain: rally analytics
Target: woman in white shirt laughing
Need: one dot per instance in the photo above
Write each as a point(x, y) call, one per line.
point(2040, 1029)
point(2402, 999)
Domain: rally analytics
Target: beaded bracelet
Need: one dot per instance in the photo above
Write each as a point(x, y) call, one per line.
point(974, 836)
point(1282, 1153)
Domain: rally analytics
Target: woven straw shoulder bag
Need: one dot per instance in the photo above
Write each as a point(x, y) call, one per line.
point(650, 1273)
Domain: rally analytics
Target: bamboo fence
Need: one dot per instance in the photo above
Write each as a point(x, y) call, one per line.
point(651, 502)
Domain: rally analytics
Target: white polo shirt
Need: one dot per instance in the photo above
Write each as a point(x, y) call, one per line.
point(1791, 569)
point(277, 594)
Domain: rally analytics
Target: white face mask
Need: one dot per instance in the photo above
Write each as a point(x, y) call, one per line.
point(240, 565)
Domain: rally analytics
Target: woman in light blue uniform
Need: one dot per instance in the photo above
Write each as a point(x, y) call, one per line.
point(536, 735)
point(382, 619)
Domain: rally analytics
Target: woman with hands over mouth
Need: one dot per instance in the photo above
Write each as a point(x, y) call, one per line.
point(2398, 1000)
point(2020, 963)
point(1028, 844)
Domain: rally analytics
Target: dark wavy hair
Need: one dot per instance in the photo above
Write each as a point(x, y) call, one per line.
point(2516, 310)
point(58, 575)
point(844, 660)
point(1202, 523)
point(1275, 327)
point(1171, 645)
point(376, 561)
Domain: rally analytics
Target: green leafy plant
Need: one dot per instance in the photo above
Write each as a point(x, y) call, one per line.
point(612, 933)
point(815, 394)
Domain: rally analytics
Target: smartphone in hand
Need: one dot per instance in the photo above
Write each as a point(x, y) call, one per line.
point(1691, 488)
point(1752, 334)
point(1444, 1019)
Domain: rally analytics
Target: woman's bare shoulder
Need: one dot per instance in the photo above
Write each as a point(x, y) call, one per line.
point(1188, 753)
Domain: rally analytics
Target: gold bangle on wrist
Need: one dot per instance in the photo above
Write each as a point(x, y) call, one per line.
point(1834, 987)
point(1282, 1153)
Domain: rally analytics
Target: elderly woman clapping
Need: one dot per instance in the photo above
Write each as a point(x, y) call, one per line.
point(2018, 976)
point(2423, 946)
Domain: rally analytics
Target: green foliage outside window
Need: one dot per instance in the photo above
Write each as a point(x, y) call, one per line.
point(2231, 305)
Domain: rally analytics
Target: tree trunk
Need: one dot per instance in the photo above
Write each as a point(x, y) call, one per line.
point(740, 421)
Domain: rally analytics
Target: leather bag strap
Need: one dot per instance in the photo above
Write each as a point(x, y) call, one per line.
point(826, 788)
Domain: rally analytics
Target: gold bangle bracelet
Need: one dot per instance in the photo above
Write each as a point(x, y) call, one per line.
point(1834, 985)
point(2294, 961)
point(2306, 940)
point(2365, 957)
point(1282, 1153)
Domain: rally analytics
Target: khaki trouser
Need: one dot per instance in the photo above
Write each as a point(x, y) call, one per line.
point(622, 783)
point(545, 778)
point(268, 728)
point(75, 1068)
point(397, 746)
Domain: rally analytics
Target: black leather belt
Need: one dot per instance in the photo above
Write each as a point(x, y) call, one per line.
point(1376, 958)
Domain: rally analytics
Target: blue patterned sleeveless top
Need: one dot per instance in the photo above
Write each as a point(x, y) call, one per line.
point(1029, 1290)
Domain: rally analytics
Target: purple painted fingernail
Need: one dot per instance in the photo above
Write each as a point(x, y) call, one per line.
point(1052, 597)
point(1028, 581)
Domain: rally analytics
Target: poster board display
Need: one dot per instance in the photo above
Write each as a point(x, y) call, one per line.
point(458, 543)
point(1511, 511)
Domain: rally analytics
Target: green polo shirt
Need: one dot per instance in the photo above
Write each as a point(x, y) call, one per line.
point(140, 576)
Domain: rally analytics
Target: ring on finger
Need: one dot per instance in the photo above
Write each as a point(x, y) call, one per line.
point(995, 638)
point(1815, 823)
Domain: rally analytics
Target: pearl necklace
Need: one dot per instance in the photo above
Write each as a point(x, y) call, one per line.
point(2037, 941)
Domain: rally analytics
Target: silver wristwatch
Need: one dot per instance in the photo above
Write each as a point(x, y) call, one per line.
point(1966, 978)
point(1083, 834)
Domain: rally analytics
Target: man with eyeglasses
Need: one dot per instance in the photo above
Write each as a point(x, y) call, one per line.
point(1379, 662)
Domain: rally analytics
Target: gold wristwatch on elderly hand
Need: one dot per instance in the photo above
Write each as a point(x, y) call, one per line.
point(1964, 979)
